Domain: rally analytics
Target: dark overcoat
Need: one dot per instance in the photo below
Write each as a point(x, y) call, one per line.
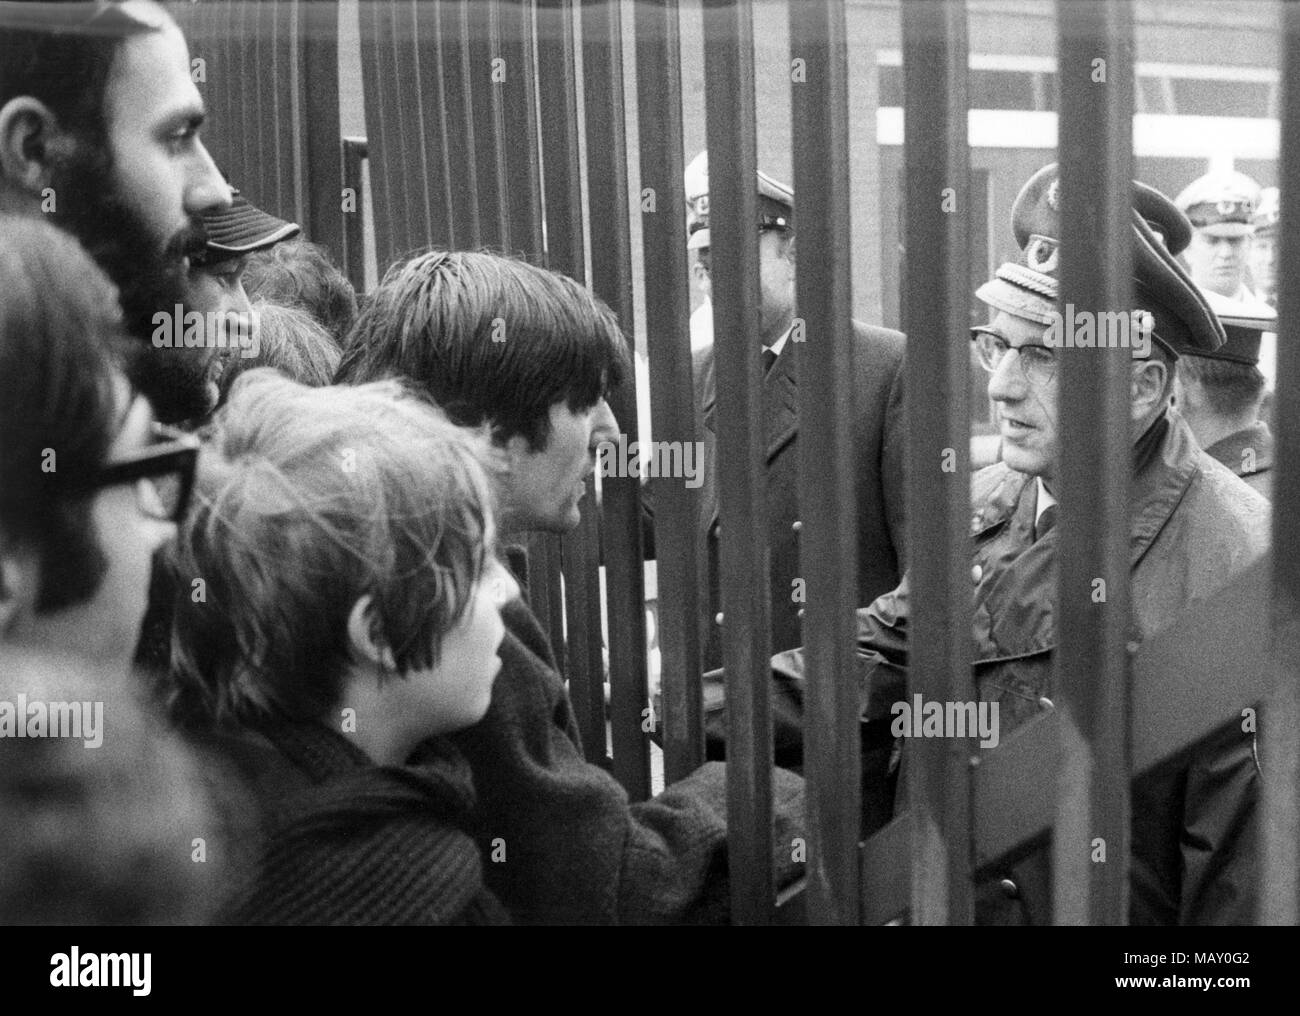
point(1194, 526)
point(878, 441)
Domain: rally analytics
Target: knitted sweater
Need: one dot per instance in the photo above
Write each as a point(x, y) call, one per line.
point(564, 845)
point(348, 842)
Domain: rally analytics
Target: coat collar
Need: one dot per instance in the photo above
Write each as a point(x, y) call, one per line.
point(780, 400)
point(1154, 494)
point(1231, 450)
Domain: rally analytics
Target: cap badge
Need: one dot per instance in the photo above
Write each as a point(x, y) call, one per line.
point(1042, 254)
point(1054, 195)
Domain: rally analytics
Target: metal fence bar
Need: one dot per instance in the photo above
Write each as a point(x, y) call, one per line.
point(457, 125)
point(562, 192)
point(672, 401)
point(439, 166)
point(355, 154)
point(386, 198)
point(1281, 720)
point(936, 317)
point(516, 95)
point(481, 42)
point(1092, 615)
point(321, 166)
point(828, 549)
point(408, 143)
point(611, 279)
point(744, 555)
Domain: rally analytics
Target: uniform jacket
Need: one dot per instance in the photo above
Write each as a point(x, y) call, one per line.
point(1193, 527)
point(878, 438)
point(1249, 454)
point(561, 842)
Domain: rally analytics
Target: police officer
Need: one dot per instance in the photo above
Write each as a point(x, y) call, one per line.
point(876, 426)
point(1193, 527)
point(1263, 246)
point(697, 230)
point(1220, 393)
point(1221, 206)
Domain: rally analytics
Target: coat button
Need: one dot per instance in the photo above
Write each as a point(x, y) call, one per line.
point(976, 574)
point(1046, 703)
point(718, 620)
point(1009, 889)
point(800, 614)
point(797, 527)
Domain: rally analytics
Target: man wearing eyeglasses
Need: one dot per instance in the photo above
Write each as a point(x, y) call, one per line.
point(1194, 526)
point(90, 485)
point(99, 134)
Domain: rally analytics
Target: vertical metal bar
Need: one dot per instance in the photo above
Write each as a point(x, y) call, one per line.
point(1280, 888)
point(1095, 147)
point(277, 101)
point(481, 19)
point(379, 141)
point(672, 401)
point(518, 96)
point(318, 40)
point(611, 279)
point(744, 554)
point(433, 115)
point(936, 319)
point(457, 125)
point(828, 547)
point(407, 172)
point(558, 102)
point(354, 241)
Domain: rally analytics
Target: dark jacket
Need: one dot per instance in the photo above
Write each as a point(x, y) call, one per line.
point(878, 438)
point(1249, 454)
point(342, 841)
point(1194, 526)
point(563, 844)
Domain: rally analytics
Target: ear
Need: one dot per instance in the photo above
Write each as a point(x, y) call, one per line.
point(511, 452)
point(1147, 387)
point(362, 640)
point(19, 579)
point(30, 139)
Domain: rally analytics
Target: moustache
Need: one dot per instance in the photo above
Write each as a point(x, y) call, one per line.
point(190, 241)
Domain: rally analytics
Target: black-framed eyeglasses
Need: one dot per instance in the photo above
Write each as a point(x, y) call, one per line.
point(1037, 362)
point(162, 473)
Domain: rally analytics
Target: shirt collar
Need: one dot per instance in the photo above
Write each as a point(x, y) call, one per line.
point(1045, 499)
point(779, 344)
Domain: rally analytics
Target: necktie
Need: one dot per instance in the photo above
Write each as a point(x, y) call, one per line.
point(769, 358)
point(1046, 522)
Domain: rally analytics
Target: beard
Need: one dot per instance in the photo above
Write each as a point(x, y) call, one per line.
point(150, 279)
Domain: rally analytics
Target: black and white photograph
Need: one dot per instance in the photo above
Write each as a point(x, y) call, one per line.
point(410, 515)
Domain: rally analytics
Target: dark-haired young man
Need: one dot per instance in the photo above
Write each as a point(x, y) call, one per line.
point(99, 131)
point(531, 355)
